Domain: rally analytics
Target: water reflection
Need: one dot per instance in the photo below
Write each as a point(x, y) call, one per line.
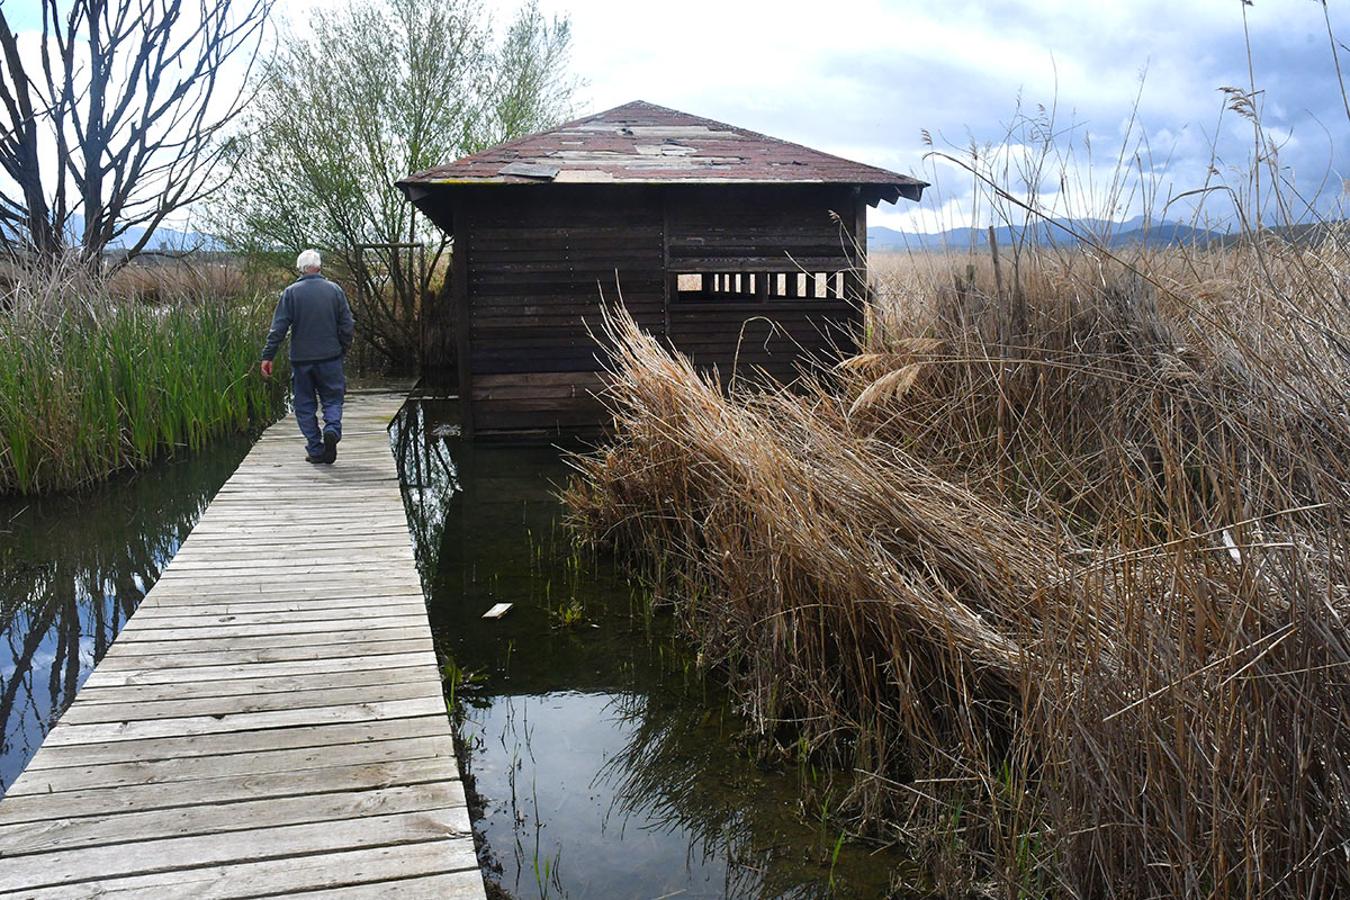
point(428, 477)
point(73, 568)
point(604, 765)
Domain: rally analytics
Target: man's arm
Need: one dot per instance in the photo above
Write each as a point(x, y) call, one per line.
point(281, 323)
point(346, 322)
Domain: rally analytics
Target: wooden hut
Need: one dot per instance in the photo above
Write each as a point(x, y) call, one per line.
point(737, 248)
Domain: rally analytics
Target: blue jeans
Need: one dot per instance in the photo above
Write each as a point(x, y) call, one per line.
point(318, 383)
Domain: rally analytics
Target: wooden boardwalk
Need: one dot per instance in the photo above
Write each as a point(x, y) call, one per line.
point(270, 721)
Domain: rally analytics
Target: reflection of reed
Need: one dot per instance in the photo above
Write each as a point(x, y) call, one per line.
point(429, 479)
point(72, 570)
point(676, 776)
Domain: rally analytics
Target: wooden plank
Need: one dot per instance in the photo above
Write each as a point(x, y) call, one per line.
point(135, 693)
point(91, 831)
point(298, 541)
point(410, 638)
point(224, 706)
point(140, 797)
point(216, 528)
point(382, 867)
point(205, 617)
point(261, 581)
point(168, 854)
point(267, 762)
point(215, 593)
point(218, 606)
point(271, 720)
point(211, 724)
point(214, 617)
point(459, 300)
point(341, 623)
point(245, 742)
point(445, 886)
point(126, 667)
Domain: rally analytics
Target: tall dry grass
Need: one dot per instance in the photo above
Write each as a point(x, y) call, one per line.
point(1057, 563)
point(1059, 571)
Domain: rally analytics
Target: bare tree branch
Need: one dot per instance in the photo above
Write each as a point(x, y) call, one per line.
point(135, 96)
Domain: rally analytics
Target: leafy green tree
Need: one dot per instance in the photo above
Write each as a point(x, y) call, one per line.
point(364, 95)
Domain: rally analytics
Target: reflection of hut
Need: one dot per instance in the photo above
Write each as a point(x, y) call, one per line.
point(719, 239)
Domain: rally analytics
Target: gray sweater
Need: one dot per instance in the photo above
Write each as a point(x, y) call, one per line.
point(316, 312)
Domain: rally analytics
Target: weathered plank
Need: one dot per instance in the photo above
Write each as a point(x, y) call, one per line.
point(271, 720)
point(176, 606)
point(246, 742)
point(380, 869)
point(249, 686)
point(43, 806)
point(266, 762)
point(297, 643)
point(189, 666)
point(222, 707)
point(169, 854)
point(90, 831)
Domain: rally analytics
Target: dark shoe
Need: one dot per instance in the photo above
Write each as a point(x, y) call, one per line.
point(314, 459)
point(330, 442)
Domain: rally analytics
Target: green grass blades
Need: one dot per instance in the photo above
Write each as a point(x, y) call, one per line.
point(89, 389)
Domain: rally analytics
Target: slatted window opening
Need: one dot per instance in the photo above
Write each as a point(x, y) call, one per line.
point(740, 287)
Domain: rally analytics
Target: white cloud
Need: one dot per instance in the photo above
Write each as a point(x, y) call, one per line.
point(861, 78)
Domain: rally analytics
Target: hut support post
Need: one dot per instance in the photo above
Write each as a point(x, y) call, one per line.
point(855, 284)
point(459, 298)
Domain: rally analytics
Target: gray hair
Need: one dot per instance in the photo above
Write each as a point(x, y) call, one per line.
point(308, 259)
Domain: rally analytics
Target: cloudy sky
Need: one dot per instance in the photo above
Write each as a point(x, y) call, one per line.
point(866, 78)
point(863, 78)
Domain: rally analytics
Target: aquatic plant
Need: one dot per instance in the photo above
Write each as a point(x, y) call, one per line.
point(91, 383)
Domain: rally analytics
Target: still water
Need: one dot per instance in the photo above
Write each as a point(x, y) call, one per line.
point(600, 762)
point(603, 763)
point(73, 567)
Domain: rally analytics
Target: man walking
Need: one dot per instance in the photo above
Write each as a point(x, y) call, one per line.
point(316, 312)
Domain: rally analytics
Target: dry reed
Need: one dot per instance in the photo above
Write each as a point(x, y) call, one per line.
point(1060, 571)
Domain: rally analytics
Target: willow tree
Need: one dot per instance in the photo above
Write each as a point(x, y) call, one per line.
point(362, 96)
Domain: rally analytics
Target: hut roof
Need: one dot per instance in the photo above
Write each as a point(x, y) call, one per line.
point(642, 143)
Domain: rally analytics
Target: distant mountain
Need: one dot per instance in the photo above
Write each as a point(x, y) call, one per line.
point(1138, 230)
point(164, 239)
point(168, 239)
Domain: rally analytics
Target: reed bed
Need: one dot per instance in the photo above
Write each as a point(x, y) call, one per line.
point(1057, 570)
point(92, 383)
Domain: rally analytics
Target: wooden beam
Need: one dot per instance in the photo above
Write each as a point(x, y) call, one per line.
point(671, 283)
point(459, 296)
point(857, 286)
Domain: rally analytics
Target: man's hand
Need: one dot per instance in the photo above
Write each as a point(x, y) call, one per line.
point(266, 367)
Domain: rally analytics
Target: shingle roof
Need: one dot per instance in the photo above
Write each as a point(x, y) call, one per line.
point(644, 143)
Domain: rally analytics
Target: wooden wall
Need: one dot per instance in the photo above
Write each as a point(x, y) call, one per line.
point(539, 260)
point(751, 228)
point(773, 234)
point(532, 262)
point(774, 336)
